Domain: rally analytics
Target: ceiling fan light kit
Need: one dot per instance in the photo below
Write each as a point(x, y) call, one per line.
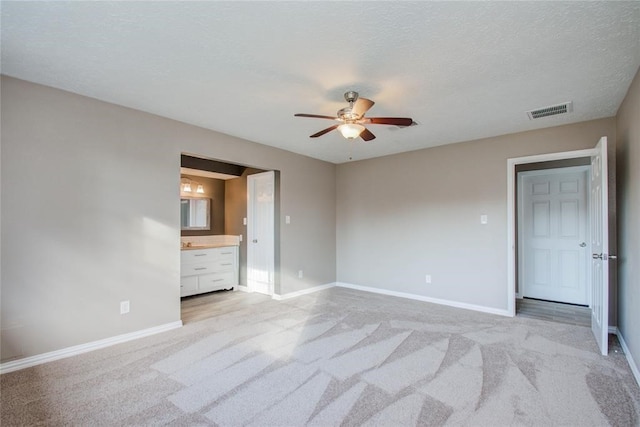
point(353, 120)
point(351, 130)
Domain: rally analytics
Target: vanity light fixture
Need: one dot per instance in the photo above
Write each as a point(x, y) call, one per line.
point(187, 186)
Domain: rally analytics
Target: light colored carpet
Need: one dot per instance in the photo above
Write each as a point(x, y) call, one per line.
point(337, 357)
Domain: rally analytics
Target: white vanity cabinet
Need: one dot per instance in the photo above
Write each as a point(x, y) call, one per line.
point(208, 269)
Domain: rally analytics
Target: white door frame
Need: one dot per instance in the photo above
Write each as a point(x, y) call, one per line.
point(512, 212)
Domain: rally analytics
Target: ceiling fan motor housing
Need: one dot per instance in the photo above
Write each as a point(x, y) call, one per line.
point(351, 96)
point(347, 114)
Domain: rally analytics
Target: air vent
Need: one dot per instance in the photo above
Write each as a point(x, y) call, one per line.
point(552, 110)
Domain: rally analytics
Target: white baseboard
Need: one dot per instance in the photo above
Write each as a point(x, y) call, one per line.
point(242, 288)
point(303, 292)
point(39, 359)
point(627, 353)
point(427, 299)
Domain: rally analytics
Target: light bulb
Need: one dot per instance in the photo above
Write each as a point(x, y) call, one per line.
point(200, 189)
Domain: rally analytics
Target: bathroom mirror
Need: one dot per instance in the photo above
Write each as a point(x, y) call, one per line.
point(194, 214)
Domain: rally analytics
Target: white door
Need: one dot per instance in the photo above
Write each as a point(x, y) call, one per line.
point(600, 246)
point(260, 232)
point(553, 229)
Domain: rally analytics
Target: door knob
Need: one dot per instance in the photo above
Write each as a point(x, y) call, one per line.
point(255, 240)
point(596, 256)
point(583, 244)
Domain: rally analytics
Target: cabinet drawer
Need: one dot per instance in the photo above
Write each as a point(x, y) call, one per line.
point(227, 253)
point(212, 282)
point(188, 286)
point(197, 256)
point(196, 269)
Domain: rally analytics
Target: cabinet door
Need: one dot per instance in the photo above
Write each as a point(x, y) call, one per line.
point(188, 286)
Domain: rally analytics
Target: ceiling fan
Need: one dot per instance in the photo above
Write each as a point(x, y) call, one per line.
point(352, 119)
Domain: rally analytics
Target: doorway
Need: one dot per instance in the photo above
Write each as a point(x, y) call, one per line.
point(598, 233)
point(234, 225)
point(553, 228)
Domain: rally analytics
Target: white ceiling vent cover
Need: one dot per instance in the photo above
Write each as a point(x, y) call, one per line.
point(551, 110)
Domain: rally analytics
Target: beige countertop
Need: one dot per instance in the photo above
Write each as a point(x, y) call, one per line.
point(194, 247)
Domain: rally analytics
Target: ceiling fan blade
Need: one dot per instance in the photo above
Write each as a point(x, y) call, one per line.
point(322, 132)
point(315, 116)
point(397, 121)
point(367, 135)
point(362, 105)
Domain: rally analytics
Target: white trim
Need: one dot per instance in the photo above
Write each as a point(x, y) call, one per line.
point(242, 288)
point(456, 304)
point(39, 359)
point(627, 353)
point(511, 207)
point(303, 292)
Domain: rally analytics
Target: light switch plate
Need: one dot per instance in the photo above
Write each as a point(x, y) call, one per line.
point(124, 307)
point(484, 219)
point(287, 219)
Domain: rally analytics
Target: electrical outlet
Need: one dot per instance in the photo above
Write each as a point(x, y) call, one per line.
point(300, 274)
point(427, 278)
point(244, 221)
point(241, 237)
point(287, 219)
point(124, 307)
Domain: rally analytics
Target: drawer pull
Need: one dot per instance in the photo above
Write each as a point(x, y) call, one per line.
point(200, 268)
point(226, 253)
point(199, 254)
point(217, 280)
point(226, 263)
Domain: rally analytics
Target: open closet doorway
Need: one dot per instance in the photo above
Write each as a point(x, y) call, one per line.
point(553, 279)
point(553, 231)
point(546, 236)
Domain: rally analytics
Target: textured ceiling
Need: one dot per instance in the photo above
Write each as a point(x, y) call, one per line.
point(462, 70)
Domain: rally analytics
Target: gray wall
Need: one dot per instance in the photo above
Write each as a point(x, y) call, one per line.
point(628, 134)
point(90, 216)
point(404, 216)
